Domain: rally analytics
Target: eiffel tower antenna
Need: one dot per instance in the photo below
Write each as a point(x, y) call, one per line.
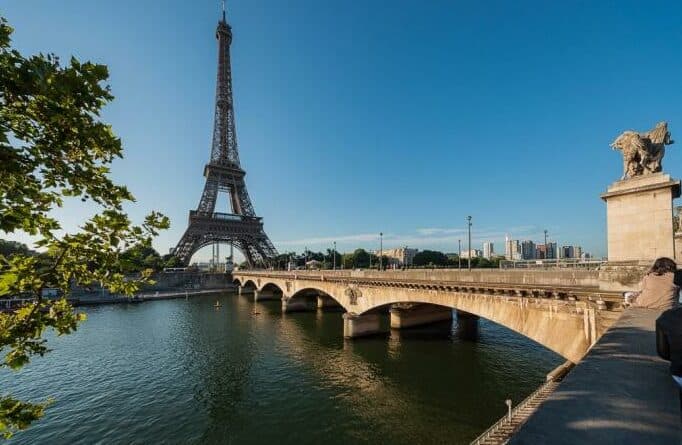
point(223, 172)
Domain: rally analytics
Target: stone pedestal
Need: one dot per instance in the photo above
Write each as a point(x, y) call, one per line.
point(361, 325)
point(418, 315)
point(639, 217)
point(623, 276)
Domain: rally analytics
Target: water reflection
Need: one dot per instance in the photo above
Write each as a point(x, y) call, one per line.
point(182, 372)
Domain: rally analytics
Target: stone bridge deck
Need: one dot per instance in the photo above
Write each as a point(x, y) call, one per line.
point(620, 393)
point(566, 311)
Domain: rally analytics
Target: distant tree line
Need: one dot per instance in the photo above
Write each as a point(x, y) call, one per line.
point(139, 258)
point(361, 259)
point(133, 260)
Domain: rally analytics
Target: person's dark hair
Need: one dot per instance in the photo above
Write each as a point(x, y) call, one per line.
point(663, 265)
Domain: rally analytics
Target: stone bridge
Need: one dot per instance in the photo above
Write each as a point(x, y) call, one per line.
point(564, 310)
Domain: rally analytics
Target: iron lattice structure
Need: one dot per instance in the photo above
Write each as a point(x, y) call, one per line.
point(223, 173)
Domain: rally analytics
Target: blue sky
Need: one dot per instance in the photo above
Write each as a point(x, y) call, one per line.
point(395, 116)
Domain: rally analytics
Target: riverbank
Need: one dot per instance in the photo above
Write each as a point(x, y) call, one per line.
point(97, 299)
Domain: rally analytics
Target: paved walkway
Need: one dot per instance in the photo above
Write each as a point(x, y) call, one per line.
point(620, 393)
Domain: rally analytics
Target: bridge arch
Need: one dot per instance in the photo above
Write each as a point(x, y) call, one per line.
point(324, 299)
point(250, 284)
point(558, 330)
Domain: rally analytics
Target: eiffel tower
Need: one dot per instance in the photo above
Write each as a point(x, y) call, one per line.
point(223, 173)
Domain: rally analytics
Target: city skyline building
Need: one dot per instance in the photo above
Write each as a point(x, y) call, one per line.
point(400, 256)
point(473, 253)
point(528, 250)
point(488, 249)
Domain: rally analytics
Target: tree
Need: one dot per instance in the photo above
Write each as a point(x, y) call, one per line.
point(361, 258)
point(346, 261)
point(139, 258)
point(169, 260)
point(430, 258)
point(8, 248)
point(53, 146)
point(329, 258)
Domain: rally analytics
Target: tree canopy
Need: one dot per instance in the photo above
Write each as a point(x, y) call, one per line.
point(54, 147)
point(430, 258)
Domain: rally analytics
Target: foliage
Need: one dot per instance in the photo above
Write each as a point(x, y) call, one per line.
point(8, 248)
point(430, 258)
point(53, 146)
point(141, 257)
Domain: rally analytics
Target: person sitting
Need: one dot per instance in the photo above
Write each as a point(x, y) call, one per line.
point(669, 343)
point(659, 290)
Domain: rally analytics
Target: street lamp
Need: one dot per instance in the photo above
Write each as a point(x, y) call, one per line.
point(469, 227)
point(334, 255)
point(459, 254)
point(381, 250)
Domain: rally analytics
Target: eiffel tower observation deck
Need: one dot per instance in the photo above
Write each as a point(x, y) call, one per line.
point(242, 228)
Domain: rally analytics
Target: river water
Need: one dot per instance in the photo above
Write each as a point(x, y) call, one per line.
point(182, 371)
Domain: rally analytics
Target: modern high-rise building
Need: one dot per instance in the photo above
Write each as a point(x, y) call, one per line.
point(551, 251)
point(512, 249)
point(546, 251)
point(566, 252)
point(488, 250)
point(528, 250)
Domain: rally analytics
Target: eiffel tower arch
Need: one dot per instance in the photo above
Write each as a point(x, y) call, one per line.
point(223, 173)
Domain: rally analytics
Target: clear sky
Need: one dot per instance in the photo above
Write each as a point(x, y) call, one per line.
point(355, 117)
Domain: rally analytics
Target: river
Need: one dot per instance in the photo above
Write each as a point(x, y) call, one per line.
point(182, 371)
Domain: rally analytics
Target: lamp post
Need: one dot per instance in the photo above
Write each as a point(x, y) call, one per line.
point(334, 255)
point(381, 250)
point(469, 227)
point(459, 254)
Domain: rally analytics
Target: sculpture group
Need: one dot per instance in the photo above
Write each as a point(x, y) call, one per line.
point(643, 152)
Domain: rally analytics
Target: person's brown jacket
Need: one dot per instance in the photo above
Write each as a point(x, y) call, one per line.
point(658, 292)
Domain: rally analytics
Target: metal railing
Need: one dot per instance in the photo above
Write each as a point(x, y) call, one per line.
point(507, 418)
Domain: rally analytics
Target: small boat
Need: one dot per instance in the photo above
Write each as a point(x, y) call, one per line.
point(217, 304)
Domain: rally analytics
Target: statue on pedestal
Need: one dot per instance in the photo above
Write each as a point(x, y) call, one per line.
point(643, 152)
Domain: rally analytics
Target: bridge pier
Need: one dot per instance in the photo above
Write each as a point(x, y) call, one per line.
point(241, 290)
point(361, 325)
point(418, 315)
point(295, 305)
point(467, 325)
point(264, 296)
point(324, 301)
